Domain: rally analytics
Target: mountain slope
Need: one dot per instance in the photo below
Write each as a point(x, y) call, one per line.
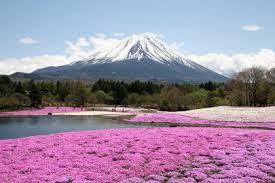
point(142, 57)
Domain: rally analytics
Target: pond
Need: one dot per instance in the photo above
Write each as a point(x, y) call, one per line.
point(15, 127)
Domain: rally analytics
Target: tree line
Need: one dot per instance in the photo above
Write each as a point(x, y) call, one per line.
point(250, 87)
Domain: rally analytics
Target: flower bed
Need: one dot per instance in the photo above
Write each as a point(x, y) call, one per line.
point(141, 155)
point(173, 118)
point(227, 113)
point(43, 111)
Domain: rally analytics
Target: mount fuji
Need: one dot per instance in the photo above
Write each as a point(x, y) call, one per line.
point(137, 57)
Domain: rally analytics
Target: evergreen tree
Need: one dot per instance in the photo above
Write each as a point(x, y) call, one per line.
point(80, 93)
point(64, 90)
point(119, 93)
point(6, 86)
point(35, 94)
point(19, 88)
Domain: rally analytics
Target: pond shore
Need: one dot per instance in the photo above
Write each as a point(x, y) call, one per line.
point(175, 119)
point(79, 111)
point(224, 116)
point(42, 112)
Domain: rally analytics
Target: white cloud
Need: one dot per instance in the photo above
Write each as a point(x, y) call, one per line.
point(229, 64)
point(252, 28)
point(29, 64)
point(83, 47)
point(28, 40)
point(79, 49)
point(176, 46)
point(99, 42)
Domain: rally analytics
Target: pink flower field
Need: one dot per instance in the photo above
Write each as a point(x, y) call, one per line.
point(43, 111)
point(172, 118)
point(229, 113)
point(174, 155)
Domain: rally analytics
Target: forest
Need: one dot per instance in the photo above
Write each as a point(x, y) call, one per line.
point(251, 87)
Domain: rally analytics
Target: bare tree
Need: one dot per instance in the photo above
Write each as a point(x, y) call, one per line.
point(270, 75)
point(249, 82)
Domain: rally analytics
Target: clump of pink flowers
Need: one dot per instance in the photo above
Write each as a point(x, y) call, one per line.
point(151, 155)
point(43, 111)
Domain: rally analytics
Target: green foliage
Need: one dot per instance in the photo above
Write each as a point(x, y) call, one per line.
point(63, 90)
point(210, 86)
point(19, 88)
point(210, 100)
point(22, 99)
point(187, 88)
point(6, 86)
point(100, 97)
point(271, 97)
point(8, 102)
point(165, 105)
point(249, 87)
point(119, 93)
point(195, 99)
point(172, 98)
point(78, 94)
point(143, 87)
point(135, 99)
point(35, 94)
point(108, 86)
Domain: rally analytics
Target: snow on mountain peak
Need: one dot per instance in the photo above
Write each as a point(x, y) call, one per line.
point(139, 56)
point(138, 46)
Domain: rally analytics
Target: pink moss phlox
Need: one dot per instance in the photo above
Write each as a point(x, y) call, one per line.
point(141, 155)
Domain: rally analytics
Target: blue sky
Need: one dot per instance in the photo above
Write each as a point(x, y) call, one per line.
point(203, 26)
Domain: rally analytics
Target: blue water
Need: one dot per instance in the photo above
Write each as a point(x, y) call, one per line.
point(15, 127)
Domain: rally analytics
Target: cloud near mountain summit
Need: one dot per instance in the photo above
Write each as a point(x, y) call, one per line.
point(83, 47)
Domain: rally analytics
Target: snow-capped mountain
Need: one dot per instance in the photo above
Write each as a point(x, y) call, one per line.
point(140, 56)
point(138, 46)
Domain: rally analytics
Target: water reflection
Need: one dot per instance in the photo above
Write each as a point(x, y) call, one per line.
point(15, 127)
